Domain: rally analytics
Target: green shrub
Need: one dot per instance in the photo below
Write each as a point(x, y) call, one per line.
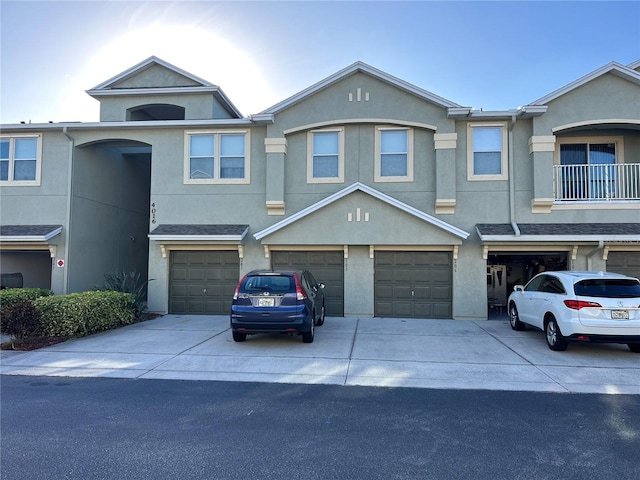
point(21, 320)
point(79, 314)
point(12, 296)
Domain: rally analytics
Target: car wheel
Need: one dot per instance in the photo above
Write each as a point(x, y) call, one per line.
point(514, 320)
point(239, 337)
point(307, 337)
point(634, 347)
point(555, 340)
point(321, 319)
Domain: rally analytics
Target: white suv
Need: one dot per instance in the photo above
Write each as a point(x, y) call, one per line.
point(579, 306)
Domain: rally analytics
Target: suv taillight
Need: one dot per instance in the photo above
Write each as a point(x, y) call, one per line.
point(300, 295)
point(578, 304)
point(235, 294)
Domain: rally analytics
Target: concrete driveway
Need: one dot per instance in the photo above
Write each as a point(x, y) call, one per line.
point(346, 351)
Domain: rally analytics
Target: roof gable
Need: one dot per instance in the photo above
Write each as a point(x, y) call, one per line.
point(155, 70)
point(370, 211)
point(154, 76)
point(359, 67)
point(614, 68)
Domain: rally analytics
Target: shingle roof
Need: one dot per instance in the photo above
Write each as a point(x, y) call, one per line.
point(562, 229)
point(29, 232)
point(197, 230)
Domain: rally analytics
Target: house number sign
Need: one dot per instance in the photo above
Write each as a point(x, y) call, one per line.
point(153, 212)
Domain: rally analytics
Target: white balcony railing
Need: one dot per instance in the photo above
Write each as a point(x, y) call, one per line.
point(597, 182)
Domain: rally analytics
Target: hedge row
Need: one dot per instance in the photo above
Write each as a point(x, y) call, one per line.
point(13, 296)
point(73, 315)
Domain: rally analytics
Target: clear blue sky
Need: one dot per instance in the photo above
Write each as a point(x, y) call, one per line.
point(490, 55)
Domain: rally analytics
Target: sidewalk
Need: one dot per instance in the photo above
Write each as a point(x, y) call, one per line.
point(346, 351)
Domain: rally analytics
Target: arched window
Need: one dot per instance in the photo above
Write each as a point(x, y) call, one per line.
point(146, 113)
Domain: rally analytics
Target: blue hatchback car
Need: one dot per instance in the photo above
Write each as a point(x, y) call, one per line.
point(268, 301)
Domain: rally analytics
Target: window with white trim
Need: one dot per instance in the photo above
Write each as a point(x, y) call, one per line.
point(325, 156)
point(394, 154)
point(20, 159)
point(216, 157)
point(487, 156)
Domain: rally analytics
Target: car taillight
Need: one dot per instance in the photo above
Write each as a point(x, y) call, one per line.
point(578, 304)
point(235, 294)
point(300, 295)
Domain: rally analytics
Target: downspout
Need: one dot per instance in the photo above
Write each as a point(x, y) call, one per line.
point(69, 191)
point(512, 178)
point(593, 252)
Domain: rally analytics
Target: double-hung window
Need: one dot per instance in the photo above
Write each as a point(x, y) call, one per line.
point(587, 168)
point(217, 157)
point(394, 154)
point(487, 156)
point(325, 156)
point(20, 159)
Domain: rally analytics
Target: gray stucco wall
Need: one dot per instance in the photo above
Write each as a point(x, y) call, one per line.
point(110, 216)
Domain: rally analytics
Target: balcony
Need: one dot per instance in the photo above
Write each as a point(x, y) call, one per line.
point(596, 183)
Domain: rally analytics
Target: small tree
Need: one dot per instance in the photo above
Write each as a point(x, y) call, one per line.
point(21, 320)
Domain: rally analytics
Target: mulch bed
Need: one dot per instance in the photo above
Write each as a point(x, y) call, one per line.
point(29, 344)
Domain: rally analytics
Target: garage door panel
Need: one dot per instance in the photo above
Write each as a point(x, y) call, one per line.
point(385, 258)
point(179, 258)
point(180, 273)
point(384, 275)
point(196, 258)
point(402, 275)
point(404, 258)
point(422, 276)
point(422, 293)
point(196, 274)
point(383, 292)
point(441, 310)
point(177, 306)
point(413, 284)
point(441, 293)
point(627, 263)
point(195, 290)
point(203, 282)
point(402, 309)
point(423, 310)
point(384, 309)
point(178, 290)
point(402, 292)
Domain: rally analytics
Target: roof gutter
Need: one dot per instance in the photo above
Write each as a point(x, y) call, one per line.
point(512, 186)
point(592, 253)
point(67, 242)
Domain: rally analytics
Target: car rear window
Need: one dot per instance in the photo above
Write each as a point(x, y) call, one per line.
point(268, 283)
point(611, 288)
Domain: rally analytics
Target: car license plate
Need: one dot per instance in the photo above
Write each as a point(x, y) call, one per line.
point(620, 314)
point(266, 302)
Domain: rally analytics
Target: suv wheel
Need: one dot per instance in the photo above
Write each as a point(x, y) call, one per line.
point(239, 337)
point(555, 340)
point(307, 337)
point(634, 347)
point(321, 319)
point(514, 320)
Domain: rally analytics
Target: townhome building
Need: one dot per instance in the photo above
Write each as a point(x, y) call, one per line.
point(403, 203)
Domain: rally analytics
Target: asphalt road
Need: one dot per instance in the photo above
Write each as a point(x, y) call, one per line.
point(68, 428)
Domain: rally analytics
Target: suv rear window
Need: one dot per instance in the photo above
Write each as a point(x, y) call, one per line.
point(268, 283)
point(611, 288)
